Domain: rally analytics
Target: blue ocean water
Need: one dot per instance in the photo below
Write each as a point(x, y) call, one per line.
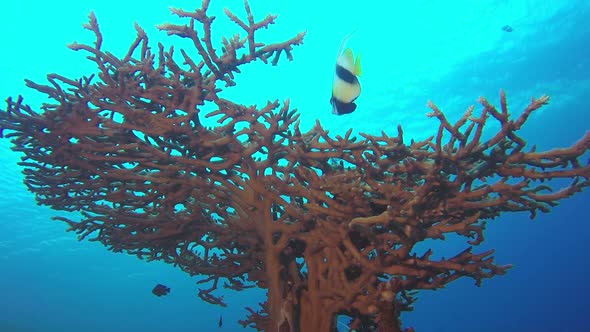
point(450, 52)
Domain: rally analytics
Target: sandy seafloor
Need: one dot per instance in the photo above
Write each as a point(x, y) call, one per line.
point(450, 52)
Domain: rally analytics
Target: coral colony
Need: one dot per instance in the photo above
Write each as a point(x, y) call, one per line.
point(328, 225)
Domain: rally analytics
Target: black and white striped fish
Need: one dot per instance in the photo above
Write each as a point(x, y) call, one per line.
point(346, 87)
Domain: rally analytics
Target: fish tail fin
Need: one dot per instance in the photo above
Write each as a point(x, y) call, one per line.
point(358, 71)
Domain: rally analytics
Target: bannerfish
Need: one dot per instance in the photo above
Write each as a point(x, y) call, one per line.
point(507, 28)
point(161, 290)
point(346, 87)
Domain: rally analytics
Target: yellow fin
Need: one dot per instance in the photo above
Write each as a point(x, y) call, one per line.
point(346, 60)
point(349, 56)
point(357, 66)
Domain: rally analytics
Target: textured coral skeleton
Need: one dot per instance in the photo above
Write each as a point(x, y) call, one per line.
point(327, 225)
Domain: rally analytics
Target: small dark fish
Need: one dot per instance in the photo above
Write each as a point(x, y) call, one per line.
point(161, 290)
point(507, 28)
point(220, 324)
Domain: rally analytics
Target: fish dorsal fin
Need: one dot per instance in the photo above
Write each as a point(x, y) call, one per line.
point(344, 41)
point(346, 60)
